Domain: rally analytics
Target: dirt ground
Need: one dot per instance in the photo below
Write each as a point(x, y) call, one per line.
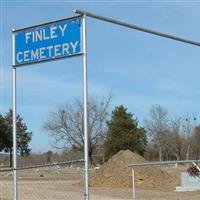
point(44, 191)
point(62, 190)
point(125, 194)
point(63, 184)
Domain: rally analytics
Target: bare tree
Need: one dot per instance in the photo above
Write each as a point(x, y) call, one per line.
point(67, 127)
point(173, 139)
point(189, 131)
point(176, 140)
point(157, 127)
point(195, 141)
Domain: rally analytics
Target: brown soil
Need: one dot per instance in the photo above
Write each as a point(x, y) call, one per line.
point(116, 173)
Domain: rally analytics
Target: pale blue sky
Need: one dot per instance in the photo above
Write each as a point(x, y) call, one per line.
point(138, 69)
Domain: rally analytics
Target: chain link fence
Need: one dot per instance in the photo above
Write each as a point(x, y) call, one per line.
point(58, 181)
point(6, 184)
point(165, 180)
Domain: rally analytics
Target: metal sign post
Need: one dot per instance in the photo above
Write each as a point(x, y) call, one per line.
point(85, 94)
point(127, 25)
point(47, 42)
point(14, 124)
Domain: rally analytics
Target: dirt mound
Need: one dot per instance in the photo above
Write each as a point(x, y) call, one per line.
point(116, 173)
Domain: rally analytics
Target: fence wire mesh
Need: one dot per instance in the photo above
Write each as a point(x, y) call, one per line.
point(59, 181)
point(6, 184)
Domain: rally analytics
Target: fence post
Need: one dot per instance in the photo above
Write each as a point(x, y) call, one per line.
point(133, 182)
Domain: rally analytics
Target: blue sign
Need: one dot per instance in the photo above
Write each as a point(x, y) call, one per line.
point(48, 41)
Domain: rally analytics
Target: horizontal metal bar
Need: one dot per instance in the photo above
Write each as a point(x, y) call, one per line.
point(44, 165)
point(44, 24)
point(6, 170)
point(164, 163)
point(138, 28)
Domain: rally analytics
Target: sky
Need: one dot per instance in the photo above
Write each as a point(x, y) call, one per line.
point(138, 69)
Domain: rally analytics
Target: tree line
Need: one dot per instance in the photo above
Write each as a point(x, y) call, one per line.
point(160, 137)
point(172, 138)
